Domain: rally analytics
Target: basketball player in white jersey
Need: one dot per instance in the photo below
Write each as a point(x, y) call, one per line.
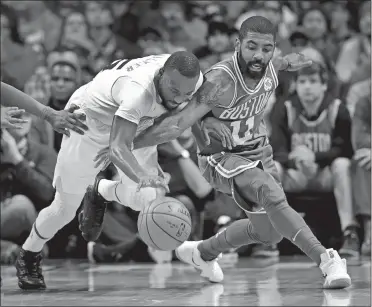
point(120, 102)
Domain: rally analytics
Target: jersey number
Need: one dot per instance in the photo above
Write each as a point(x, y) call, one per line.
point(246, 129)
point(115, 65)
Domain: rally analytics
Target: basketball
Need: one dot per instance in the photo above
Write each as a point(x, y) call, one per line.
point(165, 224)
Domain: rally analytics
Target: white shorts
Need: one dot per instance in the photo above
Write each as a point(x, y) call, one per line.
point(75, 169)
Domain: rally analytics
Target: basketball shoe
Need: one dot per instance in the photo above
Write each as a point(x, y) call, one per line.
point(92, 215)
point(334, 270)
point(29, 272)
point(188, 252)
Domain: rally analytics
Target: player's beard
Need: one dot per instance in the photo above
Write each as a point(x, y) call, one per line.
point(246, 67)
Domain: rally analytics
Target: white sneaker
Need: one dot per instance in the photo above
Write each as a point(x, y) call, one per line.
point(334, 270)
point(189, 253)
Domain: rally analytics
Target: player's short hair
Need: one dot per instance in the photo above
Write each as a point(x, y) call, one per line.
point(256, 24)
point(315, 69)
point(184, 62)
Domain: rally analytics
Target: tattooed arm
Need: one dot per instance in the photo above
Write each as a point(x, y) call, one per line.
point(170, 126)
point(291, 62)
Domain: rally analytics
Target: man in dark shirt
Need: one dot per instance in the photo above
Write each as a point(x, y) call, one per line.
point(361, 169)
point(311, 140)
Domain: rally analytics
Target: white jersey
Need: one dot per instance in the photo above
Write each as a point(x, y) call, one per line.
point(124, 88)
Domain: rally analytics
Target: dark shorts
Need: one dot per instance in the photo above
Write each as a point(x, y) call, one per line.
point(220, 169)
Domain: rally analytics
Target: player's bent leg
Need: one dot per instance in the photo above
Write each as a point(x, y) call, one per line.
point(255, 185)
point(49, 221)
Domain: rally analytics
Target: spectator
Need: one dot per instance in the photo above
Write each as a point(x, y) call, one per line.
point(218, 45)
point(354, 61)
point(18, 61)
point(361, 174)
point(32, 165)
point(75, 36)
point(107, 45)
point(65, 77)
point(341, 30)
point(182, 32)
point(311, 140)
point(317, 27)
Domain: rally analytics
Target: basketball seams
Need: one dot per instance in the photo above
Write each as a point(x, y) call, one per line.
point(164, 230)
point(147, 228)
point(161, 213)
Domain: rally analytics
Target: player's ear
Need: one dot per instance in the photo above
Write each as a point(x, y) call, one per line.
point(237, 45)
point(161, 71)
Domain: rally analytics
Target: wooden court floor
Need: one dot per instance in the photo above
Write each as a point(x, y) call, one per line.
point(288, 282)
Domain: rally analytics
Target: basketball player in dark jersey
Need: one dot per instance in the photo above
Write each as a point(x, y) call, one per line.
point(234, 96)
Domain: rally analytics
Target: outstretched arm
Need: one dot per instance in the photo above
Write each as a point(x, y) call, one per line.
point(170, 126)
point(291, 62)
point(60, 120)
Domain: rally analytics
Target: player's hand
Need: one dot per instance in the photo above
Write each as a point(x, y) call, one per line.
point(9, 149)
point(152, 181)
point(65, 120)
point(102, 160)
point(297, 61)
point(213, 125)
point(363, 158)
point(10, 117)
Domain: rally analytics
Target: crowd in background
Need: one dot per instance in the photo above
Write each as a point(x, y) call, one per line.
point(50, 48)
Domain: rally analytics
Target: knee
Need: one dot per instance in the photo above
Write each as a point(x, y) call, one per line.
point(259, 187)
point(341, 166)
point(65, 205)
point(271, 236)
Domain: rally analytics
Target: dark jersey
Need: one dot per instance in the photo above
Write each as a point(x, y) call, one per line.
point(315, 134)
point(244, 111)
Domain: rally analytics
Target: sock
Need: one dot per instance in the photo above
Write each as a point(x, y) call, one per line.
point(126, 194)
point(108, 190)
point(35, 242)
point(51, 219)
point(237, 234)
point(293, 227)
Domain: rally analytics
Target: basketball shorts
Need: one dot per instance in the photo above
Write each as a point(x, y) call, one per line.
point(75, 169)
point(220, 169)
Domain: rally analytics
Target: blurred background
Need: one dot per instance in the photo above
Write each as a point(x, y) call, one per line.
point(50, 48)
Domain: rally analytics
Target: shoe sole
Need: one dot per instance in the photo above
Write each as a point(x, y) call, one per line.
point(28, 287)
point(339, 283)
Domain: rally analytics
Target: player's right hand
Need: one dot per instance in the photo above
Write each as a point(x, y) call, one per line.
point(152, 181)
point(213, 125)
point(10, 117)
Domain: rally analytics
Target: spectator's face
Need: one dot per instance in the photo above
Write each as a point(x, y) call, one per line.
point(97, 15)
point(255, 51)
point(315, 24)
point(151, 44)
point(365, 24)
point(219, 42)
point(310, 87)
point(175, 89)
point(5, 27)
point(75, 25)
point(173, 14)
point(339, 17)
point(63, 81)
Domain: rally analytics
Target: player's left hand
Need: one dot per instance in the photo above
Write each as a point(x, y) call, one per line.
point(297, 61)
point(213, 125)
point(65, 120)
